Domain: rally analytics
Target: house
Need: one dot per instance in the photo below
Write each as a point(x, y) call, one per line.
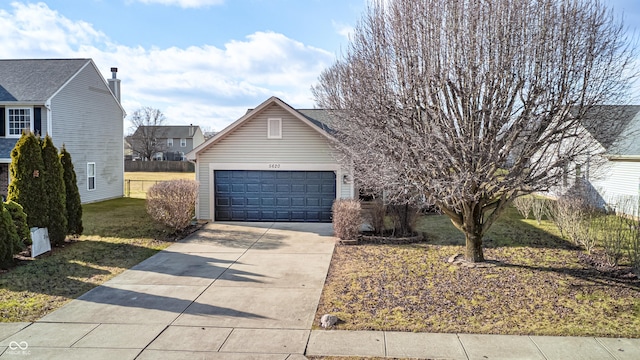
point(69, 100)
point(167, 142)
point(275, 163)
point(615, 183)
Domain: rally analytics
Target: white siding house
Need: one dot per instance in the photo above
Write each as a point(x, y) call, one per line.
point(69, 100)
point(612, 178)
point(617, 182)
point(273, 164)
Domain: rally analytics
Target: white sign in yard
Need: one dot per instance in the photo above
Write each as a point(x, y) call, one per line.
point(40, 241)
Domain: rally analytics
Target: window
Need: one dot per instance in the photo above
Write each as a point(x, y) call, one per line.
point(183, 142)
point(170, 142)
point(18, 119)
point(91, 176)
point(274, 128)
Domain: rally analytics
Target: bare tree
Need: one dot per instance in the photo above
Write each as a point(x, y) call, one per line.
point(148, 130)
point(469, 104)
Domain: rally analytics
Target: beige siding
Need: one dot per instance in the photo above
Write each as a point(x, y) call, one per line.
point(89, 121)
point(248, 144)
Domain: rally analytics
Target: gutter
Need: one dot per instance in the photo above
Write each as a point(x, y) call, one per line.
point(623, 157)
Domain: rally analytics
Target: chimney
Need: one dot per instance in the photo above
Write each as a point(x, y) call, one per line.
point(114, 83)
point(191, 130)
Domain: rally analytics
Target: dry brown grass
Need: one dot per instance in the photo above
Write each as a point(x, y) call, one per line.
point(534, 284)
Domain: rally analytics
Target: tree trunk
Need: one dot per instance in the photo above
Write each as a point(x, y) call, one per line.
point(473, 251)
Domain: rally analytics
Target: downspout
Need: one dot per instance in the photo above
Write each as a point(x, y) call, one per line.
point(47, 105)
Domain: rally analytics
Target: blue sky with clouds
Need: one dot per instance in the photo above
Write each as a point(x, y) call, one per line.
point(199, 61)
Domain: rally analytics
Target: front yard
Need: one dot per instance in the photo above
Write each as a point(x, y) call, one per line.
point(534, 283)
point(117, 235)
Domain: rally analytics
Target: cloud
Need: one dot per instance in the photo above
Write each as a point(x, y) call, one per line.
point(343, 30)
point(184, 3)
point(204, 85)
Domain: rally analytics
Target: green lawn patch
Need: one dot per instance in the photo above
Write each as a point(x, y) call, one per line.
point(118, 234)
point(535, 283)
point(137, 183)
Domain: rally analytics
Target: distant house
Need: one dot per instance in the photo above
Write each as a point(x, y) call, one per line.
point(168, 142)
point(69, 100)
point(275, 163)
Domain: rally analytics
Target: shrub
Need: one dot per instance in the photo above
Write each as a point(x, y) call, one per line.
point(539, 208)
point(54, 193)
point(633, 249)
point(346, 218)
point(403, 217)
point(73, 202)
point(524, 204)
point(10, 243)
point(375, 215)
point(20, 221)
point(173, 203)
point(26, 187)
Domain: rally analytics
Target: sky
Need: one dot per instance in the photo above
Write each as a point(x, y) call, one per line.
point(201, 62)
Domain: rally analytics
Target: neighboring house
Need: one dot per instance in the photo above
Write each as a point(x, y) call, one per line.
point(616, 183)
point(275, 163)
point(69, 100)
point(171, 142)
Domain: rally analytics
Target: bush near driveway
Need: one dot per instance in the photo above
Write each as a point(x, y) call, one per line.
point(347, 218)
point(173, 203)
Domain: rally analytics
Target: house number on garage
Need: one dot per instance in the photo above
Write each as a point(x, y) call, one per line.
point(274, 166)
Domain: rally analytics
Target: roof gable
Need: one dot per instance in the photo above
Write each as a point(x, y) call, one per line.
point(621, 130)
point(314, 123)
point(36, 79)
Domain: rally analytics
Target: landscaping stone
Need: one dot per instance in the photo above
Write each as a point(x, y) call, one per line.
point(328, 320)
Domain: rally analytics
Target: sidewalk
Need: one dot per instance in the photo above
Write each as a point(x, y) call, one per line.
point(249, 291)
point(468, 346)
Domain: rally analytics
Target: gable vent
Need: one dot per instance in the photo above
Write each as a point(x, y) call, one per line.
point(274, 130)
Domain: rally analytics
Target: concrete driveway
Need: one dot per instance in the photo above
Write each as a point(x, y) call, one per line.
point(229, 291)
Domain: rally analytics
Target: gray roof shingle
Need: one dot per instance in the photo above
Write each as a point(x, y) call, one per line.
point(35, 79)
point(6, 145)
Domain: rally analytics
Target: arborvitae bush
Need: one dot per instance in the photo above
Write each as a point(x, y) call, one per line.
point(172, 203)
point(26, 187)
point(347, 218)
point(54, 192)
point(10, 243)
point(73, 202)
point(20, 221)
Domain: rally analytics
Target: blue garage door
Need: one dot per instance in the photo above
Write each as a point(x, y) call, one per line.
point(299, 196)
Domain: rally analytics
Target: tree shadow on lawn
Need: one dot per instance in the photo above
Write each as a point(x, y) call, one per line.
point(591, 277)
point(72, 271)
point(510, 230)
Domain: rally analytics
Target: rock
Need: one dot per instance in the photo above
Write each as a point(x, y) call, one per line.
point(454, 258)
point(328, 320)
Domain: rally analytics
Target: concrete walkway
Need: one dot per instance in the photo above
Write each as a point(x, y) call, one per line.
point(249, 291)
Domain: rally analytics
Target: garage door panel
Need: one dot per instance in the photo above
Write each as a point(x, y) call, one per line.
point(298, 201)
point(274, 195)
point(268, 188)
point(222, 188)
point(253, 188)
